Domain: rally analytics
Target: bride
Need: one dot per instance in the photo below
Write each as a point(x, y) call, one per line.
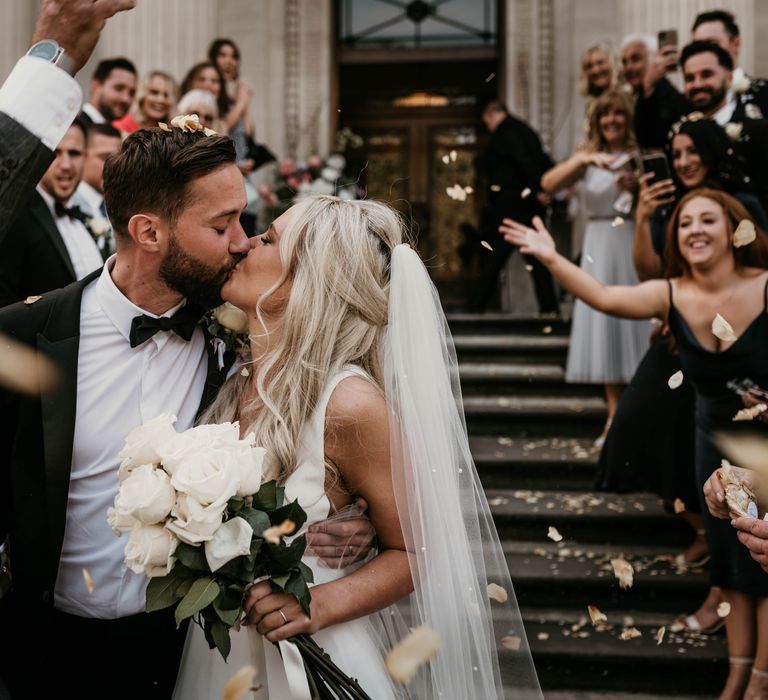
point(353, 387)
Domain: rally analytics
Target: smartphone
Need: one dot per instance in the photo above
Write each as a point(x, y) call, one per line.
point(668, 46)
point(657, 164)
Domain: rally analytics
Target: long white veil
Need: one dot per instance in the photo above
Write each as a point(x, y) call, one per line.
point(454, 549)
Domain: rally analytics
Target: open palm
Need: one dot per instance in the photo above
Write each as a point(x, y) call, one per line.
point(535, 241)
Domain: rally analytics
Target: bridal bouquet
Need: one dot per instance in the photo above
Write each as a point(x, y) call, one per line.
point(204, 524)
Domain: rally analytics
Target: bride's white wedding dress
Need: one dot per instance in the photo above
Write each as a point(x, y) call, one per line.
point(354, 646)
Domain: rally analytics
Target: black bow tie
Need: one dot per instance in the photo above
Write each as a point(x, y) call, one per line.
point(72, 212)
point(183, 323)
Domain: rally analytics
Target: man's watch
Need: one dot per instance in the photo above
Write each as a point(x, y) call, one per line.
point(50, 50)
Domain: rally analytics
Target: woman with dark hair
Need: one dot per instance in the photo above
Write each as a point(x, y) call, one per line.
point(207, 76)
point(604, 350)
point(709, 279)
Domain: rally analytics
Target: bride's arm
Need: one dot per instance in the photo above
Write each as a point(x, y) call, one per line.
point(357, 442)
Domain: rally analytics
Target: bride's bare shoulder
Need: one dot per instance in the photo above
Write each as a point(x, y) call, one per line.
point(355, 401)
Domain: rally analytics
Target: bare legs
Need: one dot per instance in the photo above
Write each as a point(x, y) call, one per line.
point(612, 395)
point(758, 682)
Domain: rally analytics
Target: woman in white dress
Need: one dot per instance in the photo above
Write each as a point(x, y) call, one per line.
point(353, 387)
point(603, 349)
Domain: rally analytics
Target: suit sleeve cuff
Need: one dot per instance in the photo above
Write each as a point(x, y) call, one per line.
point(41, 97)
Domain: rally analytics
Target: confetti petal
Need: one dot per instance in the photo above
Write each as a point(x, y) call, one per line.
point(546, 330)
point(722, 329)
point(32, 299)
point(751, 413)
point(495, 188)
point(453, 156)
point(526, 193)
point(679, 506)
point(724, 609)
point(412, 652)
point(239, 684)
point(244, 372)
point(274, 533)
point(511, 642)
point(24, 369)
point(660, 635)
point(487, 245)
point(675, 380)
point(630, 633)
point(497, 593)
point(595, 615)
point(542, 636)
point(553, 534)
point(468, 189)
point(744, 234)
point(164, 126)
point(618, 221)
point(623, 571)
point(590, 259)
point(529, 268)
point(490, 77)
point(88, 580)
point(446, 159)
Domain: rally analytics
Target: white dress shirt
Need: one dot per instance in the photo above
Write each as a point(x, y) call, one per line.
point(724, 114)
point(82, 249)
point(41, 97)
point(118, 389)
point(91, 201)
point(96, 116)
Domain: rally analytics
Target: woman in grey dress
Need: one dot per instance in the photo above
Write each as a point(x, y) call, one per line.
point(604, 350)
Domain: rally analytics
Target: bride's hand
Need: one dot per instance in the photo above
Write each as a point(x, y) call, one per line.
point(263, 608)
point(535, 241)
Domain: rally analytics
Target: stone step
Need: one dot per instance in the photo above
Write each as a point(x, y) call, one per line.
point(506, 462)
point(590, 695)
point(581, 574)
point(493, 323)
point(575, 656)
point(535, 416)
point(490, 378)
point(584, 516)
point(530, 349)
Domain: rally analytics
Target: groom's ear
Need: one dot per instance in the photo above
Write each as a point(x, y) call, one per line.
point(147, 232)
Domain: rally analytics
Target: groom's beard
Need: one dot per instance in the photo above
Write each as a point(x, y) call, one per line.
point(199, 283)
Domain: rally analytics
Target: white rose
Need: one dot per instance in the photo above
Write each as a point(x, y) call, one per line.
point(99, 226)
point(193, 523)
point(150, 550)
point(177, 450)
point(232, 318)
point(120, 523)
point(753, 111)
point(143, 443)
point(336, 161)
point(210, 476)
point(733, 130)
point(146, 495)
point(231, 540)
point(250, 462)
point(329, 174)
point(741, 84)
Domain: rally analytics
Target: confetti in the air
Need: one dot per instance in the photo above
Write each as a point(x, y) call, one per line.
point(553, 534)
point(412, 652)
point(675, 380)
point(744, 234)
point(722, 329)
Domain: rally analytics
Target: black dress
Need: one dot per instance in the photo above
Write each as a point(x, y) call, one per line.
point(731, 566)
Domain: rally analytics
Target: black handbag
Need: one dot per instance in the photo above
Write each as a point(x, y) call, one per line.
point(259, 154)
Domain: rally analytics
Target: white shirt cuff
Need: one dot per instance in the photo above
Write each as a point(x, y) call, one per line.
point(41, 97)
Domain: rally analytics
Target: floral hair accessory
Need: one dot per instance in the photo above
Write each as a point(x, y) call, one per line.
point(692, 117)
point(188, 123)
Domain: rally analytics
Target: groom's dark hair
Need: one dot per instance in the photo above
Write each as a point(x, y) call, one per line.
point(153, 169)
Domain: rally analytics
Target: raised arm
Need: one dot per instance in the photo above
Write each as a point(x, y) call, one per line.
point(647, 300)
point(572, 170)
point(644, 256)
point(357, 442)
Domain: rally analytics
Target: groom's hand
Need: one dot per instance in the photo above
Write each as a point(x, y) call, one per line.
point(339, 543)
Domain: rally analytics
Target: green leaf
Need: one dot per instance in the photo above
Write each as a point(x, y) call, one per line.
point(257, 519)
point(280, 581)
point(298, 587)
point(229, 605)
point(266, 497)
point(282, 558)
point(235, 504)
point(220, 636)
point(280, 496)
point(202, 592)
point(162, 591)
point(306, 572)
point(192, 557)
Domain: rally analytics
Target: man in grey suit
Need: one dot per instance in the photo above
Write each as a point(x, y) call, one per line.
point(40, 98)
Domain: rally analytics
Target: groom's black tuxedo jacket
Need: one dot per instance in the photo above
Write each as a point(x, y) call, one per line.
point(36, 438)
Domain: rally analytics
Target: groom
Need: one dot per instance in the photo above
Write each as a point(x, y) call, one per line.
point(128, 345)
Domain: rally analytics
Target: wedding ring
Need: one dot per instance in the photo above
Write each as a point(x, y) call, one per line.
point(282, 614)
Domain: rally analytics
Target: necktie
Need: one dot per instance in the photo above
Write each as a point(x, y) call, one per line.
point(182, 323)
point(72, 212)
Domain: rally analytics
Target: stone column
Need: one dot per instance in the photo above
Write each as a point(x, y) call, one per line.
point(17, 22)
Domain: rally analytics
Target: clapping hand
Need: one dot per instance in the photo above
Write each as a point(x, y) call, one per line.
point(535, 241)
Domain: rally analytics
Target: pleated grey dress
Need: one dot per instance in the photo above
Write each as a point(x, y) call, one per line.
point(604, 349)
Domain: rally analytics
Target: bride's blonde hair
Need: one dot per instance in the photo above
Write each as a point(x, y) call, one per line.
point(337, 254)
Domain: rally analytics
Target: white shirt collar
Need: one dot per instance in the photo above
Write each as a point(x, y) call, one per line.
point(90, 196)
point(724, 114)
point(50, 201)
point(96, 116)
point(117, 307)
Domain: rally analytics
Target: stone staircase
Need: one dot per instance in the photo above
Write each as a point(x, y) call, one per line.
point(531, 436)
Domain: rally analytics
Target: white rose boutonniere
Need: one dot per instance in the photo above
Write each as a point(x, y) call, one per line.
point(741, 85)
point(752, 111)
point(228, 327)
point(98, 226)
point(733, 130)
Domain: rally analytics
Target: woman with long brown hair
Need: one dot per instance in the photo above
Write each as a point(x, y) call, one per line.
point(710, 280)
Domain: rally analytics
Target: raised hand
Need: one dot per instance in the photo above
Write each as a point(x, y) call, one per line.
point(652, 196)
point(596, 158)
point(535, 241)
point(76, 24)
point(714, 495)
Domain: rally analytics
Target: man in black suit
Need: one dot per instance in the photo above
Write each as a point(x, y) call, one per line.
point(113, 87)
point(513, 163)
point(51, 243)
point(40, 98)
